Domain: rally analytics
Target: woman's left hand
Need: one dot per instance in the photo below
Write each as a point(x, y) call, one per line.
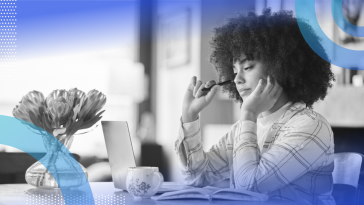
point(263, 98)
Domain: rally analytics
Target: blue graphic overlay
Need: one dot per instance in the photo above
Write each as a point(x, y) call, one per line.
point(7, 32)
point(336, 9)
point(305, 9)
point(52, 28)
point(16, 133)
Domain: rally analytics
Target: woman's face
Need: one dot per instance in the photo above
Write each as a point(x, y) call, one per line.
point(248, 73)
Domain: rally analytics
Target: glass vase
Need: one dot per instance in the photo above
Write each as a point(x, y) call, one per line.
point(59, 162)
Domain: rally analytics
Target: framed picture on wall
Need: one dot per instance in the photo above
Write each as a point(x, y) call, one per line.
point(353, 14)
point(175, 35)
point(353, 11)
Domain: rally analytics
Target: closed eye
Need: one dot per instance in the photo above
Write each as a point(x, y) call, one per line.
point(247, 68)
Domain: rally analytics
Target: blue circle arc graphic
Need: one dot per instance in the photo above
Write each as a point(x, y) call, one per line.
point(342, 57)
point(15, 134)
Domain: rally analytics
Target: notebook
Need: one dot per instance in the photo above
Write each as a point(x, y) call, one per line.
point(211, 193)
point(121, 155)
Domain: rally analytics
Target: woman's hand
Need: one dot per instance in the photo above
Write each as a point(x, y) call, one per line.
point(262, 99)
point(196, 100)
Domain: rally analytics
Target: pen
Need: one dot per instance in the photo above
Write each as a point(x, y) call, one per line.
point(222, 83)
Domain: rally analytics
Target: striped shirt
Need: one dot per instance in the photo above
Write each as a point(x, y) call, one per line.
point(294, 162)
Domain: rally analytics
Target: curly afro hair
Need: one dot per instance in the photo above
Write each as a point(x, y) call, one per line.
point(276, 40)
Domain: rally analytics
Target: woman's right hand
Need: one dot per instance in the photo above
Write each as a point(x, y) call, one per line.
point(196, 100)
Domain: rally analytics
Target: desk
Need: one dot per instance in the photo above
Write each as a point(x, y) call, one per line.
point(103, 192)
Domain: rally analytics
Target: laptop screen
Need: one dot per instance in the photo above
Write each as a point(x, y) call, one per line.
point(119, 150)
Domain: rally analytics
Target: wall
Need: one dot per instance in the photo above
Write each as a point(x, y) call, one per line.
point(171, 82)
point(343, 106)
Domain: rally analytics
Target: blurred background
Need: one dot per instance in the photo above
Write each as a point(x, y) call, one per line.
point(142, 54)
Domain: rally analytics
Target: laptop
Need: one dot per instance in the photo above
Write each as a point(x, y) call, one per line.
point(121, 155)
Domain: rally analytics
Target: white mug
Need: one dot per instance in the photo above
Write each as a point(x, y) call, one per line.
point(143, 182)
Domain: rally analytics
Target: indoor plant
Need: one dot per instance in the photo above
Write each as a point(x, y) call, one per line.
point(57, 118)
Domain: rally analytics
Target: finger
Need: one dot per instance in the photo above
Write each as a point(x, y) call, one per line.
point(279, 92)
point(210, 83)
point(192, 83)
point(199, 92)
point(189, 91)
point(268, 88)
point(259, 87)
point(210, 95)
point(197, 86)
point(275, 88)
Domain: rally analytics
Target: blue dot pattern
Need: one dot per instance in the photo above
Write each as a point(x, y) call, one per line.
point(7, 33)
point(75, 199)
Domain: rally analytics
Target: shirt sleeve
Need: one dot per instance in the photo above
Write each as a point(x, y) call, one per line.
point(201, 168)
point(294, 153)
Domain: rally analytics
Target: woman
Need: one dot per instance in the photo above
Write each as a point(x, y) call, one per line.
point(279, 146)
